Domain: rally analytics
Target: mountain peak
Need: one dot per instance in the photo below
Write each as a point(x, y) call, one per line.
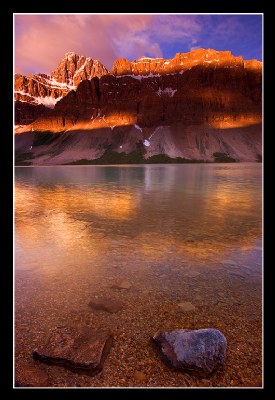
point(73, 69)
point(46, 90)
point(70, 53)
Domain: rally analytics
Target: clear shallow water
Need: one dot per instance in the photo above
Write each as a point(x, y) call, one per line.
point(175, 232)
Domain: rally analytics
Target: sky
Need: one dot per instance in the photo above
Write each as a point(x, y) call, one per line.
point(41, 40)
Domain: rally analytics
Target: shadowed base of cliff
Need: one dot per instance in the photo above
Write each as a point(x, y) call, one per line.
point(133, 145)
point(135, 157)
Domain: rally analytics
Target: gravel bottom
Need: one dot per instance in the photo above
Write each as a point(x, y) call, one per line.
point(222, 299)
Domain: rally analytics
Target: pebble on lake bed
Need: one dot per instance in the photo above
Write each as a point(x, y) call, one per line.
point(139, 376)
point(195, 351)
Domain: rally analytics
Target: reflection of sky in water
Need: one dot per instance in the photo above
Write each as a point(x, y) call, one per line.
point(102, 214)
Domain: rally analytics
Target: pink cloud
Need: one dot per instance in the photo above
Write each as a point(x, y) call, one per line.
point(42, 40)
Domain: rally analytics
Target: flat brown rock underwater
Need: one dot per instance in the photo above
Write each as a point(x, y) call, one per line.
point(80, 351)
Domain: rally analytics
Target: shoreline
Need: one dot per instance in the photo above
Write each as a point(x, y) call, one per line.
point(75, 164)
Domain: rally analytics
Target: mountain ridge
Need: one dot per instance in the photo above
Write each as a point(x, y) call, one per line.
point(46, 90)
point(191, 107)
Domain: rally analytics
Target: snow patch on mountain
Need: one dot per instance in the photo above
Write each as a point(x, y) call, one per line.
point(139, 77)
point(146, 143)
point(167, 91)
point(138, 127)
point(47, 101)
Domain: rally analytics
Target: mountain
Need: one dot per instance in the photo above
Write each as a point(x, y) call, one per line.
point(203, 105)
point(182, 62)
point(34, 94)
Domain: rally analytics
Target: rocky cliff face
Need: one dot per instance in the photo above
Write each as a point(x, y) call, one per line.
point(46, 90)
point(74, 69)
point(182, 62)
point(194, 106)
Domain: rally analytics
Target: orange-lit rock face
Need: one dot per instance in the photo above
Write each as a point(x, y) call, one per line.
point(219, 96)
point(229, 122)
point(74, 69)
point(181, 62)
point(46, 90)
point(172, 104)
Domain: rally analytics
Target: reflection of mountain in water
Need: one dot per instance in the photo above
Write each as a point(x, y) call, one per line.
point(193, 210)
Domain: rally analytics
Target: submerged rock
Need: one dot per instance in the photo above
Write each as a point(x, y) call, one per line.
point(82, 352)
point(229, 262)
point(238, 274)
point(191, 273)
point(31, 376)
point(186, 306)
point(196, 351)
point(105, 304)
point(122, 285)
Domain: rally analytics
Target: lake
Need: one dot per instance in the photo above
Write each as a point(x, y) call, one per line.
point(173, 233)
